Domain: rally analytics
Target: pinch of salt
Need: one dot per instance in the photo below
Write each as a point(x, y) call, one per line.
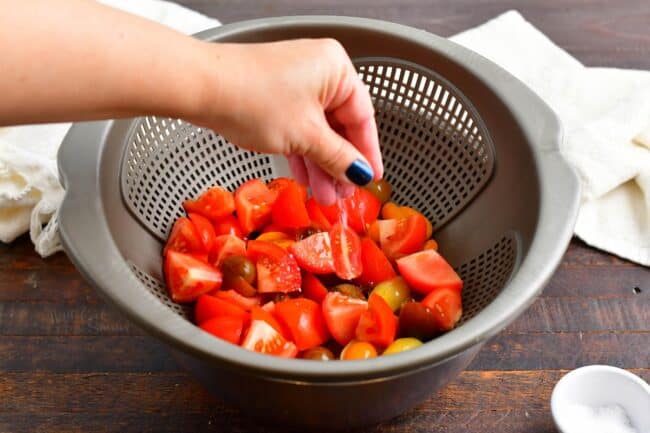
point(610, 418)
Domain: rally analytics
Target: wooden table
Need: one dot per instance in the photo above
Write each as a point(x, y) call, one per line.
point(68, 362)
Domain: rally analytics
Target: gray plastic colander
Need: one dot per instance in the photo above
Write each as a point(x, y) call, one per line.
point(462, 141)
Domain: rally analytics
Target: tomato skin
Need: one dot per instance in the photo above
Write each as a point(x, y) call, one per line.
point(228, 225)
point(253, 202)
point(408, 235)
point(289, 210)
point(304, 319)
point(184, 238)
point(346, 252)
point(277, 270)
point(341, 314)
point(264, 338)
point(427, 270)
point(318, 218)
point(358, 350)
point(226, 246)
point(208, 307)
point(314, 253)
point(377, 325)
point(280, 183)
point(361, 210)
point(312, 288)
point(228, 328)
point(246, 303)
point(446, 305)
point(213, 204)
point(188, 278)
point(205, 230)
point(375, 265)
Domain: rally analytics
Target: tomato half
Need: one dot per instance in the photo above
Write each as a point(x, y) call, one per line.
point(213, 204)
point(427, 270)
point(228, 328)
point(346, 252)
point(312, 288)
point(446, 306)
point(253, 201)
point(226, 246)
point(314, 253)
point(188, 278)
point(402, 236)
point(208, 307)
point(316, 215)
point(360, 209)
point(280, 183)
point(245, 302)
point(184, 238)
point(304, 319)
point(341, 314)
point(289, 210)
point(277, 270)
point(264, 338)
point(377, 325)
point(375, 265)
point(228, 225)
point(205, 230)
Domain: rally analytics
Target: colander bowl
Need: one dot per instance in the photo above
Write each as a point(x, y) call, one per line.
point(462, 140)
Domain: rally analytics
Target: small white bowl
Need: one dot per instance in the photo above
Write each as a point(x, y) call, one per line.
point(602, 385)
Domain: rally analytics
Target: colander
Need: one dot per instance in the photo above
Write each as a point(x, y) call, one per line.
point(462, 140)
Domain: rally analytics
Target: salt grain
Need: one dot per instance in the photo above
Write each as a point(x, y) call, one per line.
point(579, 418)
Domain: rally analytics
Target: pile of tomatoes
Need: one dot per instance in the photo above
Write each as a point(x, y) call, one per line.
point(272, 270)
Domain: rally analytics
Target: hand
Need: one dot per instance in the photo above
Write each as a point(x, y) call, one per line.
point(300, 98)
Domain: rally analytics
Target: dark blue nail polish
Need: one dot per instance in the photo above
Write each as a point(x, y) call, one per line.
point(359, 172)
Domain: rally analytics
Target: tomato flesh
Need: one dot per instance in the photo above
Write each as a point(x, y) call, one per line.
point(312, 288)
point(253, 202)
point(346, 252)
point(226, 246)
point(205, 230)
point(188, 278)
point(228, 225)
point(304, 319)
point(316, 215)
point(378, 324)
point(426, 271)
point(446, 306)
point(289, 210)
point(244, 302)
point(228, 328)
point(314, 253)
point(208, 307)
point(403, 236)
point(184, 238)
point(341, 314)
point(277, 270)
point(359, 210)
point(213, 204)
point(280, 183)
point(375, 265)
point(264, 338)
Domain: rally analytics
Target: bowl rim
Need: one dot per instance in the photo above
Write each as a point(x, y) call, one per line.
point(85, 233)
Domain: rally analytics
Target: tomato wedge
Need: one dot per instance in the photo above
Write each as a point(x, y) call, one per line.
point(312, 288)
point(341, 314)
point(280, 183)
point(289, 210)
point(253, 201)
point(378, 324)
point(314, 253)
point(277, 270)
point(426, 271)
point(375, 265)
point(188, 278)
point(184, 238)
point(264, 338)
point(318, 219)
point(213, 204)
point(247, 303)
point(228, 225)
point(208, 307)
point(402, 236)
point(304, 319)
point(446, 306)
point(205, 230)
point(228, 328)
point(346, 252)
point(226, 246)
point(361, 210)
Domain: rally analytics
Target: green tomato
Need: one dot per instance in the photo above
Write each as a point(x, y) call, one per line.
point(402, 345)
point(394, 291)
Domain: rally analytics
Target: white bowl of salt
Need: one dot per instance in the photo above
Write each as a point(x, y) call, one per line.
point(601, 399)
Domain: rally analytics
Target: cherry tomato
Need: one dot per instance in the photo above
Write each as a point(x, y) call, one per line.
point(188, 278)
point(346, 252)
point(377, 325)
point(319, 353)
point(342, 315)
point(208, 307)
point(304, 319)
point(289, 210)
point(402, 345)
point(416, 320)
point(213, 204)
point(228, 328)
point(241, 266)
point(426, 271)
point(226, 246)
point(253, 201)
point(350, 290)
point(394, 291)
point(358, 350)
point(431, 244)
point(375, 265)
point(205, 230)
point(312, 288)
point(184, 238)
point(380, 189)
point(316, 215)
point(314, 254)
point(446, 305)
point(403, 236)
point(228, 225)
point(277, 270)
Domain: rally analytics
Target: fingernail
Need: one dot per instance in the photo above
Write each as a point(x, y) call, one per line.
point(359, 172)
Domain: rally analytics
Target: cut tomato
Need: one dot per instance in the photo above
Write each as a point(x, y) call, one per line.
point(314, 253)
point(346, 252)
point(200, 256)
point(205, 230)
point(188, 278)
point(318, 219)
point(253, 201)
point(213, 204)
point(402, 236)
point(426, 271)
point(277, 270)
point(267, 315)
point(264, 338)
point(226, 246)
point(304, 319)
point(228, 225)
point(280, 239)
point(280, 183)
point(245, 302)
point(446, 306)
point(289, 210)
point(375, 265)
point(228, 328)
point(184, 238)
point(341, 314)
point(208, 307)
point(362, 209)
point(312, 288)
point(377, 325)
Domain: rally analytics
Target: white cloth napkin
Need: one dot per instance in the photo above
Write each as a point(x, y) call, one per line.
point(606, 116)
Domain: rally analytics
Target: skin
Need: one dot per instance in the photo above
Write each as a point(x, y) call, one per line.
point(72, 60)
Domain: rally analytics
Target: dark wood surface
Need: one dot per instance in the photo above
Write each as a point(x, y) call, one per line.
point(69, 363)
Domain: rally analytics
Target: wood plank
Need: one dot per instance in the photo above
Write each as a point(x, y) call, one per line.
point(594, 281)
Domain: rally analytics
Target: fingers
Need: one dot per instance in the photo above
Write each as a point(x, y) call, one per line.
point(298, 169)
point(322, 185)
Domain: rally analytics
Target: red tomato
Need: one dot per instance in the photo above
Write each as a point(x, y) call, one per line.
point(277, 270)
point(312, 288)
point(200, 256)
point(267, 315)
point(228, 225)
point(426, 271)
point(280, 183)
point(341, 314)
point(360, 209)
point(264, 338)
point(228, 328)
point(188, 278)
point(213, 204)
point(446, 306)
point(404, 236)
point(332, 212)
point(314, 253)
point(289, 210)
point(184, 238)
point(346, 252)
point(253, 201)
point(375, 264)
point(377, 325)
point(304, 319)
point(318, 218)
point(208, 307)
point(226, 246)
point(235, 298)
point(205, 230)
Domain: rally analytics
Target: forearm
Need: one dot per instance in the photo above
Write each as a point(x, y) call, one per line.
point(78, 60)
